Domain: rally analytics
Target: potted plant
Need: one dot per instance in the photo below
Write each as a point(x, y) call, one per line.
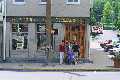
point(116, 59)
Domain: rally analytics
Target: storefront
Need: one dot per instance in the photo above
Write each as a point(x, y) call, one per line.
point(27, 36)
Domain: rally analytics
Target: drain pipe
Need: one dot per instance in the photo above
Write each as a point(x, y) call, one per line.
point(4, 32)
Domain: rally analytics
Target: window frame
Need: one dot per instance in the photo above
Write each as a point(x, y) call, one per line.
point(73, 2)
point(19, 3)
point(37, 33)
point(40, 2)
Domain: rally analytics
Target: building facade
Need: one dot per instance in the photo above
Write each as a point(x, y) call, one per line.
point(26, 29)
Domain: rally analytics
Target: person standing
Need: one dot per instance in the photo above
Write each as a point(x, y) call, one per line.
point(62, 50)
point(76, 49)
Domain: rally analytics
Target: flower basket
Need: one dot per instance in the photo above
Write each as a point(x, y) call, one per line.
point(116, 63)
point(116, 60)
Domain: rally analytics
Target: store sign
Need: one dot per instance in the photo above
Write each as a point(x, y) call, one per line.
point(42, 20)
point(25, 19)
point(66, 20)
point(97, 29)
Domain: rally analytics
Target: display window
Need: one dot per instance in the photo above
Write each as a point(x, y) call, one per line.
point(41, 36)
point(19, 36)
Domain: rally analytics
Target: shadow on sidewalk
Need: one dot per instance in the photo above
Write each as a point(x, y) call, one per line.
point(76, 74)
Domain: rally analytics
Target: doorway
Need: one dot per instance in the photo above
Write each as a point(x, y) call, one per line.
point(76, 32)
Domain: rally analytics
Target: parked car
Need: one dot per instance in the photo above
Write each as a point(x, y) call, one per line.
point(114, 50)
point(103, 44)
point(107, 47)
point(109, 44)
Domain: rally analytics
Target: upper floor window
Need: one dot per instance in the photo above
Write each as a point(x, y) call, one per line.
point(21, 2)
point(73, 1)
point(42, 1)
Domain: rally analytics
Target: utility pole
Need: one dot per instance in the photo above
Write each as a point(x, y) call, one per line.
point(48, 25)
point(4, 32)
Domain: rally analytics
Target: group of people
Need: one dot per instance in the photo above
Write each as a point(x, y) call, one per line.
point(68, 51)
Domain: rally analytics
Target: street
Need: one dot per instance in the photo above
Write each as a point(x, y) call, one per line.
point(9, 75)
point(97, 53)
point(107, 35)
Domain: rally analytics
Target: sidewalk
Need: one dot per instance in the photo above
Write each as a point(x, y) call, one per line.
point(101, 62)
point(54, 67)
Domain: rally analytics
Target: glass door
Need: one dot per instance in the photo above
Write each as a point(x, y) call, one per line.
point(76, 33)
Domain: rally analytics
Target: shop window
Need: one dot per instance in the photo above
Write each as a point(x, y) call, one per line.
point(19, 28)
point(41, 36)
point(41, 28)
point(19, 36)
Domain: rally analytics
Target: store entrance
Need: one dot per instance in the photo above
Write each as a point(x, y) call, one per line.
point(19, 41)
point(76, 33)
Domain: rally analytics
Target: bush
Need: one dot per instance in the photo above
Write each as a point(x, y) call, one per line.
point(117, 56)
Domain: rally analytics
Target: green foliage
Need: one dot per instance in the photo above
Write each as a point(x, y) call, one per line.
point(96, 12)
point(103, 19)
point(117, 56)
point(92, 21)
point(107, 12)
point(92, 18)
point(107, 9)
point(116, 8)
point(118, 24)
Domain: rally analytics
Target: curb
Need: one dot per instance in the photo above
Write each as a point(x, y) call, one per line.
point(58, 69)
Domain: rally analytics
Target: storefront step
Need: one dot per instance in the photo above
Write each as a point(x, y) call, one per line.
point(24, 60)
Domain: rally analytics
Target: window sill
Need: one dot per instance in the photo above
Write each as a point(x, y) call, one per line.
point(42, 3)
point(19, 50)
point(19, 3)
point(72, 3)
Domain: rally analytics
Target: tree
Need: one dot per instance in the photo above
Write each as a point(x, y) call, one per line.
point(107, 12)
point(116, 9)
point(96, 12)
point(92, 18)
point(97, 9)
point(118, 24)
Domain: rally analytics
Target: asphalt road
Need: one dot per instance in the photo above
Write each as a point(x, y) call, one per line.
point(107, 35)
point(8, 75)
